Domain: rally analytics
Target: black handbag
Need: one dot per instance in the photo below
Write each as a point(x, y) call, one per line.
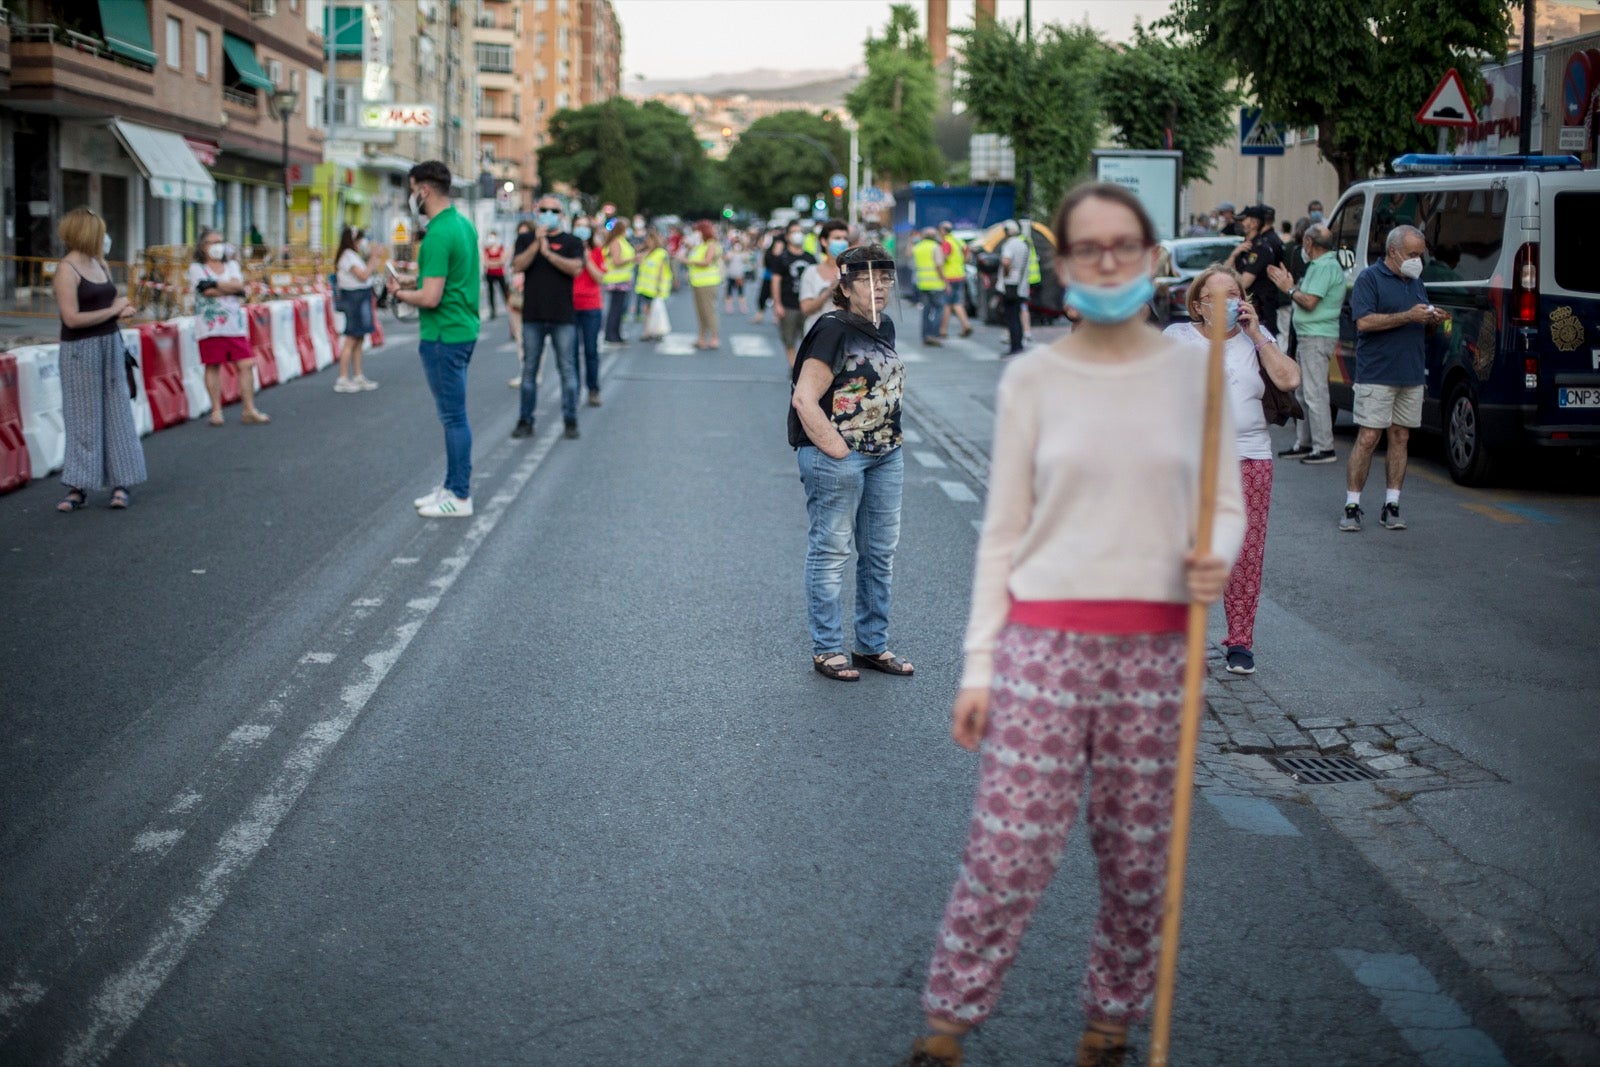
point(130, 364)
point(1278, 405)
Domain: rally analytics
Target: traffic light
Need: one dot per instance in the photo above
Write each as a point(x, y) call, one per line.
point(838, 192)
point(727, 212)
point(727, 132)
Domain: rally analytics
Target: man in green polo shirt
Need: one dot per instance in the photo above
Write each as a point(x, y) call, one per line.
point(447, 299)
point(1317, 301)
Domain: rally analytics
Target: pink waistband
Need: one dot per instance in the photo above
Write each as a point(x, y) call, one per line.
point(1101, 616)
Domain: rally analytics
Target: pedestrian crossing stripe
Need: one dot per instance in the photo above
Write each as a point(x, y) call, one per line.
point(676, 344)
point(752, 347)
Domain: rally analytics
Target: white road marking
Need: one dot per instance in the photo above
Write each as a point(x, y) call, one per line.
point(368, 602)
point(930, 460)
point(245, 737)
point(676, 344)
point(977, 524)
point(983, 355)
point(183, 803)
point(912, 436)
point(1429, 1019)
point(751, 346)
point(123, 997)
point(406, 561)
point(200, 571)
point(912, 357)
point(318, 657)
point(958, 492)
point(157, 840)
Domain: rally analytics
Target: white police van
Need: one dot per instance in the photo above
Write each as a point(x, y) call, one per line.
point(1514, 257)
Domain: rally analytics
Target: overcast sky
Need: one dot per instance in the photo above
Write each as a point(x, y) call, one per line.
point(684, 38)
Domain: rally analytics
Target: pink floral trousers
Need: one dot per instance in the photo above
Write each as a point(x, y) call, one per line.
point(1243, 595)
point(1066, 706)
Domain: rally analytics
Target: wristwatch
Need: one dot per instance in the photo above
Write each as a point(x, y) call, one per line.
point(1293, 289)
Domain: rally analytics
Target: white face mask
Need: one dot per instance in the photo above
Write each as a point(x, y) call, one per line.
point(1411, 268)
point(105, 246)
point(216, 251)
point(414, 202)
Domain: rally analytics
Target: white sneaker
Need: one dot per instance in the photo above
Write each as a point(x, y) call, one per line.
point(364, 383)
point(430, 497)
point(346, 385)
point(448, 506)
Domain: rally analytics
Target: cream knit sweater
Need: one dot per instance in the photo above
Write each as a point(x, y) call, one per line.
point(1093, 486)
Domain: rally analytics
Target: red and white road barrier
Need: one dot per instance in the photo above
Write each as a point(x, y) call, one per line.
point(44, 425)
point(288, 339)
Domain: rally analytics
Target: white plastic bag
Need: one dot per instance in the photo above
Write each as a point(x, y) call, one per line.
point(658, 324)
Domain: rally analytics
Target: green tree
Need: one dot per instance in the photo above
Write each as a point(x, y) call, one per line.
point(1159, 83)
point(784, 155)
point(894, 104)
point(1040, 94)
point(639, 157)
point(1357, 70)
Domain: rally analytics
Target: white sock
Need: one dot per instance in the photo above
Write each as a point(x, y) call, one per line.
point(1351, 498)
point(1391, 496)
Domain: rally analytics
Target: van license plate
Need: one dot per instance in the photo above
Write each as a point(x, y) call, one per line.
point(1578, 398)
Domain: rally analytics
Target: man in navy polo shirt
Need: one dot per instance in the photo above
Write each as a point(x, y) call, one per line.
point(1390, 306)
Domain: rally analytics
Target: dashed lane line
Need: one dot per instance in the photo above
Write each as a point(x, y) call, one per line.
point(123, 997)
point(1428, 1019)
point(958, 492)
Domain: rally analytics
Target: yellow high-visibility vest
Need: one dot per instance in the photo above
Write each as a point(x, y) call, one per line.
point(703, 269)
point(655, 275)
point(922, 255)
point(955, 264)
point(1033, 263)
point(809, 244)
point(617, 275)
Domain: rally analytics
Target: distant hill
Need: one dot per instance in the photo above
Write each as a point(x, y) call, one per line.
point(827, 93)
point(762, 82)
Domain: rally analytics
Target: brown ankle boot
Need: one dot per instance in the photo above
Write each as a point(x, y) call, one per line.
point(935, 1050)
point(1101, 1047)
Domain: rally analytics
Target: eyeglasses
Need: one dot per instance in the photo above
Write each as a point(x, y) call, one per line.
point(1090, 253)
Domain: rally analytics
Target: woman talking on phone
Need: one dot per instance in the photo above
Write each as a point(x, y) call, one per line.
point(103, 450)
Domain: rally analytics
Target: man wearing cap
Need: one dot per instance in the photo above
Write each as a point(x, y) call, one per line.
point(1230, 225)
point(1259, 250)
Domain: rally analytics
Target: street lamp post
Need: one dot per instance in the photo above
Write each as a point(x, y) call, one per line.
point(284, 101)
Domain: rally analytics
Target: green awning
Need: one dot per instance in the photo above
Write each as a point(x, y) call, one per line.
point(242, 54)
point(126, 25)
point(342, 29)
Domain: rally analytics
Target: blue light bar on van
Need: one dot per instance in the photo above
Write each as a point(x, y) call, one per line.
point(1420, 163)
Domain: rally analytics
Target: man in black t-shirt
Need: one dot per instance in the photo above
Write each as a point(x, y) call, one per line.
point(548, 259)
point(1259, 250)
point(787, 266)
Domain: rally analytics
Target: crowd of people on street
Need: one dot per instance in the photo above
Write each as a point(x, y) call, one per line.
point(1074, 645)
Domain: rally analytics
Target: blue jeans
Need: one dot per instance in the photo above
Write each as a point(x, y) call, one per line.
point(446, 368)
point(932, 312)
point(588, 323)
point(857, 495)
point(564, 339)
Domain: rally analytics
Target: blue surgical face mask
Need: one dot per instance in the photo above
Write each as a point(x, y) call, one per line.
point(837, 247)
point(550, 220)
point(1108, 305)
point(582, 233)
point(1315, 216)
point(1231, 317)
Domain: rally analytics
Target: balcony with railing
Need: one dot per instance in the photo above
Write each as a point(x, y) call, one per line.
point(46, 56)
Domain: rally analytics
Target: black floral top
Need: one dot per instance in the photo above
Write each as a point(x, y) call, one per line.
point(868, 377)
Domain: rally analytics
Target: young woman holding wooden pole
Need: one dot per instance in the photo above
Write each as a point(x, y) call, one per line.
point(1075, 645)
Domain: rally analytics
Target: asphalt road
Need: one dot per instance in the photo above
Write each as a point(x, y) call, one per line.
point(291, 776)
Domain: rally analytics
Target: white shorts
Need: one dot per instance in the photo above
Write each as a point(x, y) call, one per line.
point(1380, 406)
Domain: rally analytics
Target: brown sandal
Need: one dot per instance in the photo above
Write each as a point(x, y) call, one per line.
point(825, 666)
point(887, 662)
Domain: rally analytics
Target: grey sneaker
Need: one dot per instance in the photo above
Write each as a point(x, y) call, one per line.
point(1351, 523)
point(1389, 518)
point(1320, 457)
point(1241, 660)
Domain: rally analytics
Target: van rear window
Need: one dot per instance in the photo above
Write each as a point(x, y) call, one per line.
point(1576, 221)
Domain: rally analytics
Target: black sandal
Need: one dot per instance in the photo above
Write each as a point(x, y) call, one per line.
point(887, 662)
point(120, 498)
point(823, 666)
point(75, 499)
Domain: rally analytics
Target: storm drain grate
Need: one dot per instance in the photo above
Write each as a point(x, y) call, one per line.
point(1323, 770)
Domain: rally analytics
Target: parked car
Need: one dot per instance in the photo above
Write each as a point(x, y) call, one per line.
point(1184, 258)
point(1516, 367)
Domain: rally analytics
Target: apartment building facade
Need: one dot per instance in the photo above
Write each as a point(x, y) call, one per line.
point(159, 114)
point(534, 58)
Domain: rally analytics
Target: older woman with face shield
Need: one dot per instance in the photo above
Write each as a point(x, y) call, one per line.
point(845, 425)
point(1075, 648)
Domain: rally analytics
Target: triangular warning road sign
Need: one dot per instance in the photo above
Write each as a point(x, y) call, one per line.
point(1448, 105)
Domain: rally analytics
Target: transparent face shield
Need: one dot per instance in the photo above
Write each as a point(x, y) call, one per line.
point(877, 275)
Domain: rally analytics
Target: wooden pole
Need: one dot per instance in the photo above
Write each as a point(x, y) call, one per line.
point(1194, 683)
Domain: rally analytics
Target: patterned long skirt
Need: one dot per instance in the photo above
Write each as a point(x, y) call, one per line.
point(1065, 707)
point(103, 449)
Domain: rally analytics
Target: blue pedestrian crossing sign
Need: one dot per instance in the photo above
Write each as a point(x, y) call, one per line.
point(1257, 138)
